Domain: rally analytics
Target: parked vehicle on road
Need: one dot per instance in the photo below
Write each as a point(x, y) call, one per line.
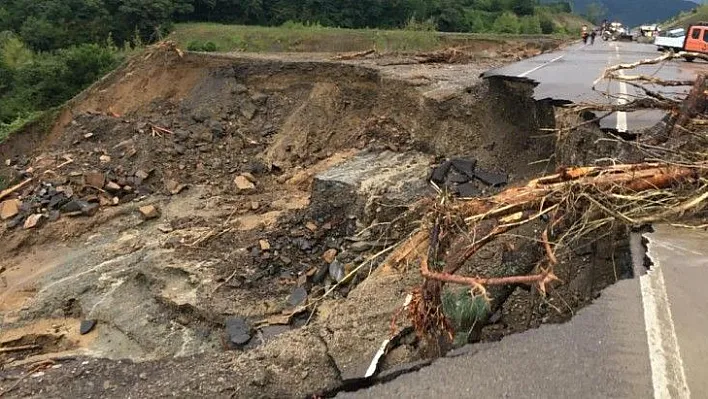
point(696, 40)
point(616, 31)
point(670, 40)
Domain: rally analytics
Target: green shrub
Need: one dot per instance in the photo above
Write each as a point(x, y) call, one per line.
point(420, 26)
point(209, 47)
point(463, 311)
point(194, 46)
point(507, 22)
point(546, 24)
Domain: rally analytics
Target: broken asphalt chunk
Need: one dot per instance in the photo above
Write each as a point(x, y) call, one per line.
point(86, 326)
point(468, 190)
point(465, 166)
point(491, 178)
point(440, 172)
point(238, 331)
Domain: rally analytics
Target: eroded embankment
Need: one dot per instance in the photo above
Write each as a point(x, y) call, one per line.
point(226, 149)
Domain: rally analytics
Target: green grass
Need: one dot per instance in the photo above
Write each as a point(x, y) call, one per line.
point(7, 129)
point(299, 38)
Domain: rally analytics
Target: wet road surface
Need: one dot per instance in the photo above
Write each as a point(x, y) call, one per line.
point(569, 75)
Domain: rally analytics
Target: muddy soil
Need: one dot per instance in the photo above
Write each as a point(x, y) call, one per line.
point(205, 232)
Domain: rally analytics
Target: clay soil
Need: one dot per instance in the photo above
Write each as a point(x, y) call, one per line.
point(175, 132)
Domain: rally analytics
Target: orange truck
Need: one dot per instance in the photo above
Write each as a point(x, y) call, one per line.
point(696, 40)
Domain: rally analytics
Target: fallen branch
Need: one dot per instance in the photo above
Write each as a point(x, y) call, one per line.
point(353, 56)
point(19, 348)
point(14, 188)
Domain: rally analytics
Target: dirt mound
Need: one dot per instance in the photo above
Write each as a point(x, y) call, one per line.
point(171, 204)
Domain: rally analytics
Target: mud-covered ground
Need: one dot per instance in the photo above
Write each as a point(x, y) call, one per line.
point(189, 213)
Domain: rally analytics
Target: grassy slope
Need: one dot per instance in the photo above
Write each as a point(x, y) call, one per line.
point(684, 19)
point(320, 39)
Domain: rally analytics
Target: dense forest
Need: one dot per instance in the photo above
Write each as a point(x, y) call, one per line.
point(51, 49)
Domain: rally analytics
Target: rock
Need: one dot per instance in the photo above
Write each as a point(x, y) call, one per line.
point(311, 226)
point(89, 209)
point(149, 212)
point(255, 205)
point(249, 176)
point(33, 221)
point(73, 206)
point(8, 162)
point(240, 89)
point(9, 209)
point(248, 110)
point(94, 179)
point(141, 174)
point(86, 326)
point(329, 255)
point(238, 331)
point(264, 244)
point(259, 98)
point(243, 184)
point(174, 187)
point(53, 216)
point(297, 297)
point(336, 271)
point(112, 187)
point(104, 159)
point(361, 246)
point(88, 135)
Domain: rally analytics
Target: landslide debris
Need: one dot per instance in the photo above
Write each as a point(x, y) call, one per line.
point(193, 210)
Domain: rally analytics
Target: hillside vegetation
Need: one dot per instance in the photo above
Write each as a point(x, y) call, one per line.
point(631, 12)
point(699, 14)
point(52, 49)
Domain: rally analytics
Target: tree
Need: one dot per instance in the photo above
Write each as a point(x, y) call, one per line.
point(530, 25)
point(595, 12)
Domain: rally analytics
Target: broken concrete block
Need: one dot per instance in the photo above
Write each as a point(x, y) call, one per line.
point(149, 212)
point(9, 209)
point(243, 184)
point(33, 221)
point(370, 186)
point(94, 179)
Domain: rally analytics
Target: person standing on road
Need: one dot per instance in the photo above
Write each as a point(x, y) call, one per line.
point(585, 34)
point(592, 36)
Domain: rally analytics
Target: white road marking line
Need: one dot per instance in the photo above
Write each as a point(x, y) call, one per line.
point(541, 66)
point(667, 371)
point(621, 116)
